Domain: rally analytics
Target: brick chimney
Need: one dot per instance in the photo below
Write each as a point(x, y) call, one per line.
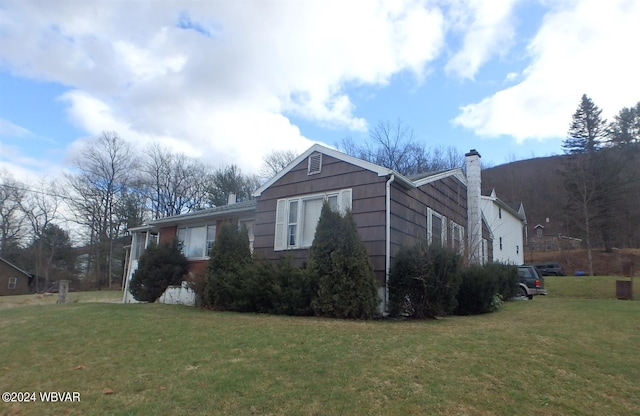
point(474, 215)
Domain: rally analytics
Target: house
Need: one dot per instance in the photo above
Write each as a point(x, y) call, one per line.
point(197, 232)
point(13, 280)
point(508, 225)
point(550, 238)
point(390, 210)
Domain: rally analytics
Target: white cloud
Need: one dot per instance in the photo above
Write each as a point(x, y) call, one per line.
point(487, 29)
point(215, 78)
point(581, 47)
point(8, 128)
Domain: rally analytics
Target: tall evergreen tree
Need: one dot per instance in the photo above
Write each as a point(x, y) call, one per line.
point(339, 263)
point(584, 178)
point(625, 127)
point(588, 128)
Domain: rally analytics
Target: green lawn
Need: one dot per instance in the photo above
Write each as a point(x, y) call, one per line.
point(554, 355)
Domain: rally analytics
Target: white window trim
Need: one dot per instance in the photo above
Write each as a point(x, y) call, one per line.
point(13, 282)
point(443, 229)
point(281, 235)
point(455, 226)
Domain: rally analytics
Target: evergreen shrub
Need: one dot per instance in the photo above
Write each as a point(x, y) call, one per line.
point(479, 291)
point(229, 261)
point(424, 281)
point(159, 267)
point(340, 268)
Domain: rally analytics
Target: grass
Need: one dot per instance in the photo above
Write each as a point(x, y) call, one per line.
point(587, 287)
point(555, 355)
point(108, 296)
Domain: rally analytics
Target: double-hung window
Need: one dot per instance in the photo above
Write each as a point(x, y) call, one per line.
point(196, 242)
point(297, 218)
point(457, 237)
point(436, 228)
point(13, 281)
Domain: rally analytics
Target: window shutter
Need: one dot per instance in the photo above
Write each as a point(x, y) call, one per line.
point(279, 241)
point(345, 200)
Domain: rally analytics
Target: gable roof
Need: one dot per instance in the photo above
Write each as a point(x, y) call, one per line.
point(409, 182)
point(15, 267)
point(515, 208)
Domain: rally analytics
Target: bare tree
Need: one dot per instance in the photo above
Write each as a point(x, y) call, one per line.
point(12, 218)
point(275, 161)
point(395, 146)
point(175, 184)
point(41, 209)
point(104, 171)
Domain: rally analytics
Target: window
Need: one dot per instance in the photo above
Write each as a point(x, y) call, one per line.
point(13, 281)
point(485, 251)
point(457, 237)
point(248, 224)
point(436, 228)
point(196, 242)
point(297, 218)
point(499, 212)
point(293, 224)
point(500, 243)
point(315, 163)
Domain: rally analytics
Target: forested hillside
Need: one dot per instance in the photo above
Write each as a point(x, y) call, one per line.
point(540, 184)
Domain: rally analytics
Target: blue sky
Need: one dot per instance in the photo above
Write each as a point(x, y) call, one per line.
point(229, 82)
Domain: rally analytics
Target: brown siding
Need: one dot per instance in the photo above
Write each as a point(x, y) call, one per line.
point(368, 206)
point(167, 234)
point(22, 284)
point(447, 196)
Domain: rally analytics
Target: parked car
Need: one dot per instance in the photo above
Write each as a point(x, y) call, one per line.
point(550, 269)
point(531, 282)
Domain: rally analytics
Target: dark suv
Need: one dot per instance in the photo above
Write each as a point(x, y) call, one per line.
point(549, 269)
point(531, 282)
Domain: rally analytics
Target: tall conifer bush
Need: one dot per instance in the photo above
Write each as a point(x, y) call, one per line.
point(340, 266)
point(159, 267)
point(228, 260)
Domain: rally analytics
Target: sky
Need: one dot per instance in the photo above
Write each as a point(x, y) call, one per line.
point(229, 82)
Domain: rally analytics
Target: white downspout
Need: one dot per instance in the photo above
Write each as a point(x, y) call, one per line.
point(387, 243)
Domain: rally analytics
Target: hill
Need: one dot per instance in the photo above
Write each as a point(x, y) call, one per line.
point(539, 185)
point(534, 182)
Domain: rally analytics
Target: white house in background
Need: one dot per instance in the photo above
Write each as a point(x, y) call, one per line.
point(507, 223)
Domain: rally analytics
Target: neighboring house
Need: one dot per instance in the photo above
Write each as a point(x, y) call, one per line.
point(197, 232)
point(508, 224)
point(550, 238)
point(13, 280)
point(390, 210)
